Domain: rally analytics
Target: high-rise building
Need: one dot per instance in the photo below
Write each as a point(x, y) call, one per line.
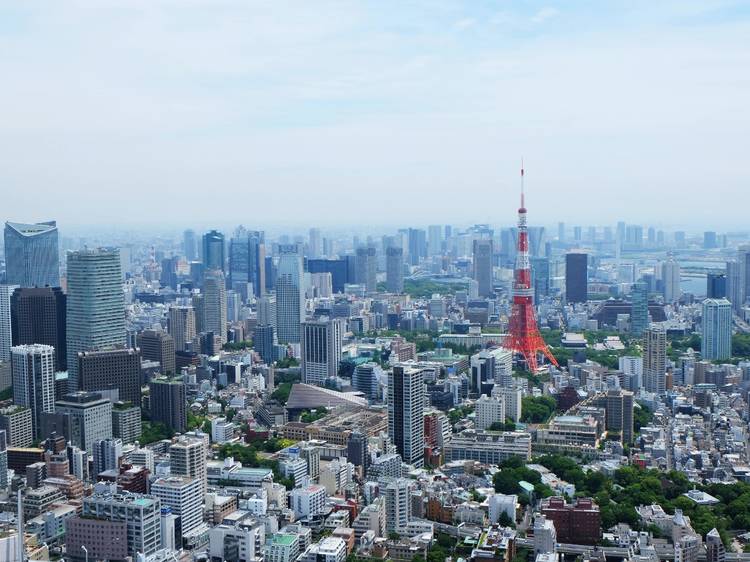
point(394, 269)
point(540, 278)
point(290, 300)
point(112, 369)
point(655, 359)
point(734, 285)
point(156, 345)
point(314, 246)
point(670, 278)
point(168, 403)
point(126, 421)
point(140, 513)
point(743, 263)
point(107, 454)
point(38, 315)
point(715, 551)
point(417, 241)
point(435, 239)
point(398, 505)
point(32, 254)
point(322, 340)
point(90, 417)
point(716, 286)
point(687, 547)
point(489, 410)
point(247, 260)
point(406, 399)
point(639, 309)
point(338, 268)
point(576, 277)
point(482, 255)
point(214, 304)
point(187, 457)
point(190, 245)
point(96, 305)
point(6, 321)
point(213, 251)
point(182, 326)
point(34, 380)
point(716, 342)
point(365, 380)
point(619, 408)
point(264, 342)
point(357, 450)
point(17, 423)
point(709, 240)
point(367, 268)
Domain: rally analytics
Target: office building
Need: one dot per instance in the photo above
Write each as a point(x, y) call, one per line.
point(482, 255)
point(365, 380)
point(670, 279)
point(126, 422)
point(6, 322)
point(338, 268)
point(187, 457)
point(247, 260)
point(578, 523)
point(190, 245)
point(716, 341)
point(398, 504)
point(417, 242)
point(160, 347)
point(214, 304)
point(655, 359)
point(357, 450)
point(406, 399)
point(290, 300)
point(34, 380)
point(213, 251)
point(107, 455)
point(434, 240)
point(264, 342)
point(322, 340)
point(489, 410)
point(687, 548)
point(184, 496)
point(540, 278)
point(112, 369)
point(17, 423)
point(394, 270)
point(367, 268)
point(38, 315)
point(308, 501)
point(182, 326)
point(576, 277)
point(32, 255)
point(96, 305)
point(716, 286)
point(140, 514)
point(619, 408)
point(90, 417)
point(282, 547)
point(639, 309)
point(168, 403)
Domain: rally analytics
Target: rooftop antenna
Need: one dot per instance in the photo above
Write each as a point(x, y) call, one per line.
point(522, 194)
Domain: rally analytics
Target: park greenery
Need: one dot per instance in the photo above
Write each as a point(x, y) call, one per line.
point(507, 425)
point(237, 345)
point(458, 413)
point(249, 457)
point(537, 409)
point(309, 417)
point(151, 432)
point(287, 362)
point(425, 288)
point(281, 394)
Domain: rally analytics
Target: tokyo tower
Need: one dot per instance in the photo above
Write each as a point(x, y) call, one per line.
point(524, 337)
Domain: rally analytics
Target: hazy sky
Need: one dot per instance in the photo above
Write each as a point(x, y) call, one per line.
point(315, 112)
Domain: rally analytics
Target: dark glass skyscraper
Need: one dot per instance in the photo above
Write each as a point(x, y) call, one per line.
point(32, 256)
point(38, 315)
point(247, 260)
point(213, 250)
point(576, 277)
point(716, 286)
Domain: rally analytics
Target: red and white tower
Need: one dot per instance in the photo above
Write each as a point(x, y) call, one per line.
point(524, 337)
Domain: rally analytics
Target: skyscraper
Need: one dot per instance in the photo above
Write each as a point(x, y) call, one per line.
point(394, 269)
point(107, 454)
point(182, 326)
point(190, 245)
point(655, 359)
point(32, 255)
point(247, 260)
point(716, 286)
point(168, 403)
point(576, 277)
point(38, 315)
point(90, 417)
point(435, 239)
point(187, 457)
point(716, 342)
point(734, 285)
point(540, 277)
point(111, 369)
point(482, 254)
point(620, 414)
point(367, 268)
point(406, 397)
point(156, 345)
point(417, 241)
point(213, 250)
point(34, 380)
point(215, 304)
point(6, 322)
point(96, 305)
point(290, 300)
point(322, 340)
point(314, 245)
point(670, 278)
point(639, 309)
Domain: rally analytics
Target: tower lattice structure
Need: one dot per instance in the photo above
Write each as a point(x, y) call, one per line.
point(524, 337)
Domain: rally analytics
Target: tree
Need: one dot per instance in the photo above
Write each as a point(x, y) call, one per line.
point(281, 394)
point(537, 409)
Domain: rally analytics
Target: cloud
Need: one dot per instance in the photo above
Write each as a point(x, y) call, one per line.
point(545, 14)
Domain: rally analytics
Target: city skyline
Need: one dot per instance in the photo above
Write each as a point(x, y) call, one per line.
point(307, 109)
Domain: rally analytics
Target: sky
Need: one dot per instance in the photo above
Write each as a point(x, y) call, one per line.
point(318, 113)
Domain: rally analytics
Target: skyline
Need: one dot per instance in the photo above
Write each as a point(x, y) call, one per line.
point(295, 114)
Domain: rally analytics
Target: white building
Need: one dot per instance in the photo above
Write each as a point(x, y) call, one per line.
point(187, 457)
point(716, 342)
point(282, 547)
point(185, 496)
point(34, 380)
point(501, 503)
point(489, 410)
point(6, 340)
point(545, 536)
point(308, 501)
point(221, 430)
point(248, 537)
point(398, 504)
point(330, 549)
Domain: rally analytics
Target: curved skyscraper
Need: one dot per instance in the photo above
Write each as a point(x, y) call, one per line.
point(32, 256)
point(96, 304)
